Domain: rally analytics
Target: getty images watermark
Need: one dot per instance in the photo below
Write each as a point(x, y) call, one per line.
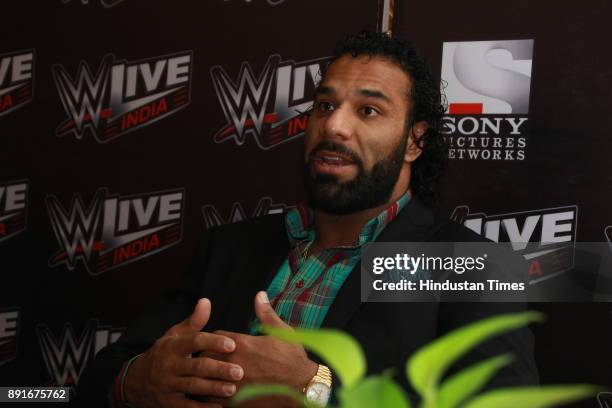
point(485, 272)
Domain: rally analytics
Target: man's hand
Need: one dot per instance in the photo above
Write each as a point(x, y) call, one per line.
point(267, 360)
point(166, 372)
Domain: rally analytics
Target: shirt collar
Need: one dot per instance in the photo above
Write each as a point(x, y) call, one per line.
point(299, 222)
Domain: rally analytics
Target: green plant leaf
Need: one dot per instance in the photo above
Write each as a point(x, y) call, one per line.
point(374, 391)
point(254, 391)
point(469, 381)
point(425, 368)
point(532, 397)
point(339, 350)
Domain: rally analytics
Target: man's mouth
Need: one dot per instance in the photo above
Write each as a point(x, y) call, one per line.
point(329, 162)
point(332, 159)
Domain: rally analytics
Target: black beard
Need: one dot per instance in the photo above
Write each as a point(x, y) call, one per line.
point(367, 190)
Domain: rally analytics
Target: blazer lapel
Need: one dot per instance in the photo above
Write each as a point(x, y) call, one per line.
point(413, 224)
point(265, 253)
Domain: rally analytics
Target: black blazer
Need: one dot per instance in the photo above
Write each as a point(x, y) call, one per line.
point(235, 261)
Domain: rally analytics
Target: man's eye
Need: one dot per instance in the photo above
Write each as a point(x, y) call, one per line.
point(324, 106)
point(369, 111)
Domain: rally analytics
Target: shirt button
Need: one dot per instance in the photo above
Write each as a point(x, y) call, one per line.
point(300, 284)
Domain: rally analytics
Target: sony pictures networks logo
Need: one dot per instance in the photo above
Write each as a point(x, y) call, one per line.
point(487, 86)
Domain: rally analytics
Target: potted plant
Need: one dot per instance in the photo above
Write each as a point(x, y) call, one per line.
point(424, 370)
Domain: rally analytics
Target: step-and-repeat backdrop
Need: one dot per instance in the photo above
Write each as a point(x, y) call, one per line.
point(127, 127)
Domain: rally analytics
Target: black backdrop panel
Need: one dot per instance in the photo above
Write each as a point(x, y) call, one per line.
point(564, 77)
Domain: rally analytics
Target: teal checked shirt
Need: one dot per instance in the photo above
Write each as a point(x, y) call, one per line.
point(303, 289)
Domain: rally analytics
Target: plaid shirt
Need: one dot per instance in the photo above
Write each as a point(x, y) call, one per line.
point(303, 289)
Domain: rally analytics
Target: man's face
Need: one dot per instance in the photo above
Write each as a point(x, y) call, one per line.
point(356, 138)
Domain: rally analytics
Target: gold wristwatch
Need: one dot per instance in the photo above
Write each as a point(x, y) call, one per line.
point(318, 389)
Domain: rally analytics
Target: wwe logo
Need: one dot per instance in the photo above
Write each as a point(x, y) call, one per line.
point(75, 229)
point(266, 206)
point(244, 103)
point(604, 399)
point(67, 357)
point(271, 107)
point(83, 97)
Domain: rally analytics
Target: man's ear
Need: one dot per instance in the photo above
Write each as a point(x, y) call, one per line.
point(415, 134)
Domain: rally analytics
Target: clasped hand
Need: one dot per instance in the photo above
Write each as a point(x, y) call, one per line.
point(224, 362)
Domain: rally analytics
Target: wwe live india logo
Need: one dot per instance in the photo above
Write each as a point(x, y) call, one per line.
point(270, 108)
point(265, 206)
point(122, 96)
point(115, 230)
point(544, 237)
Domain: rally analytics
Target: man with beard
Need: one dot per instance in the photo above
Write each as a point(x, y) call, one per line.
point(373, 156)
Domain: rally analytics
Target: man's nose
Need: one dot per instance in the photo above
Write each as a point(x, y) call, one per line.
point(339, 124)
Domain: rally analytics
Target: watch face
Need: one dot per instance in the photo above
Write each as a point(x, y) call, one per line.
point(318, 392)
